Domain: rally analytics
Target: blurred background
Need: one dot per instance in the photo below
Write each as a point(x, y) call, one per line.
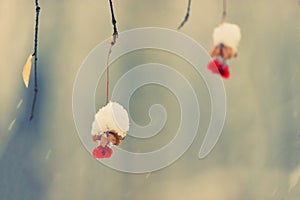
point(257, 156)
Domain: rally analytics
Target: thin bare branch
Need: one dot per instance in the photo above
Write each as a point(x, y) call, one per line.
point(35, 54)
point(114, 22)
point(186, 15)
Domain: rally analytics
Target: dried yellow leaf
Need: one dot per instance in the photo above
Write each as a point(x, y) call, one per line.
point(27, 70)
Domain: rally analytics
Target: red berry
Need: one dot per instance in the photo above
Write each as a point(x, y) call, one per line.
point(225, 73)
point(214, 66)
point(217, 68)
point(102, 152)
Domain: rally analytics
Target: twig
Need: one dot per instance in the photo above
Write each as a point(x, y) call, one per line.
point(224, 11)
point(114, 22)
point(107, 72)
point(114, 38)
point(35, 54)
point(186, 15)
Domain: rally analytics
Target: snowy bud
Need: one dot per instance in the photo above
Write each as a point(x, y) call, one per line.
point(227, 34)
point(112, 117)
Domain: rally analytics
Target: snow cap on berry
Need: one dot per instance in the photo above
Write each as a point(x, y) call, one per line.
point(112, 117)
point(228, 34)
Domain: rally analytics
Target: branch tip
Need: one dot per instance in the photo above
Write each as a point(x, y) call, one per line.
point(186, 15)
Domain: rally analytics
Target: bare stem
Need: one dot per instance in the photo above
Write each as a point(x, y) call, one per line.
point(186, 15)
point(107, 73)
point(33, 104)
point(224, 11)
point(35, 54)
point(115, 35)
